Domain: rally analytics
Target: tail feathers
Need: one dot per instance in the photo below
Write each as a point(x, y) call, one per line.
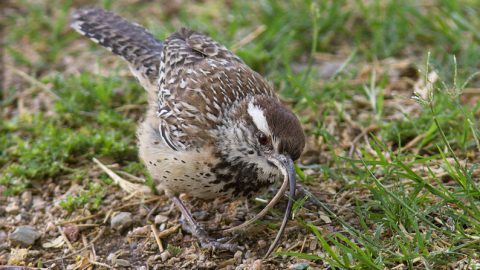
point(128, 40)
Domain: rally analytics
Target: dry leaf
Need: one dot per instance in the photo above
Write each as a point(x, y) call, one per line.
point(325, 218)
point(54, 243)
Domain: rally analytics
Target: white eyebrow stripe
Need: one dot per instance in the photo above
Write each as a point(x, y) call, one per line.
point(258, 118)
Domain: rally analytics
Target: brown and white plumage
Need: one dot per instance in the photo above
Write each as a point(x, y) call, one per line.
point(214, 127)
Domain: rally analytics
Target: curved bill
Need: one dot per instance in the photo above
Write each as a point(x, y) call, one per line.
point(285, 164)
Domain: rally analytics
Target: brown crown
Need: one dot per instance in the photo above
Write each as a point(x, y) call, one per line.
point(284, 126)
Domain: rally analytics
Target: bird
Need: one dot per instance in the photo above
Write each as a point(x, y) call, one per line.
point(214, 128)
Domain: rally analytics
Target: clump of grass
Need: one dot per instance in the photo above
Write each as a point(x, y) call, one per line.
point(83, 126)
point(411, 208)
point(92, 196)
point(174, 250)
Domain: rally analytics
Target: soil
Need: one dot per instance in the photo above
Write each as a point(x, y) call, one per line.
point(84, 239)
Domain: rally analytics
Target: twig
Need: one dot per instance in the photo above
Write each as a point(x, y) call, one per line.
point(107, 216)
point(413, 142)
point(168, 231)
point(80, 250)
point(65, 238)
point(471, 91)
point(93, 253)
point(303, 244)
point(124, 184)
point(248, 38)
point(150, 213)
point(129, 107)
point(133, 177)
point(155, 233)
point(359, 136)
point(87, 225)
point(34, 81)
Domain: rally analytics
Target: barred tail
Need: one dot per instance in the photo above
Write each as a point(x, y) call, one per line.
point(129, 40)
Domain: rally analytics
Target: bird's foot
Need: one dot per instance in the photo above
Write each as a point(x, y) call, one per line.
point(213, 244)
point(209, 242)
point(190, 225)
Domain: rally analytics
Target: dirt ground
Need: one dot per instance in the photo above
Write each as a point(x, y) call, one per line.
point(71, 241)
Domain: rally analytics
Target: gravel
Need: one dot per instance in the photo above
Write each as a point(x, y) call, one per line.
point(121, 221)
point(24, 236)
point(299, 266)
point(72, 232)
point(159, 219)
point(165, 255)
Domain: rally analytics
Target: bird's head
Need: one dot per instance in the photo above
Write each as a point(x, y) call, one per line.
point(265, 133)
point(274, 130)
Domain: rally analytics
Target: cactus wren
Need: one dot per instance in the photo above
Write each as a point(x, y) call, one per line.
point(214, 127)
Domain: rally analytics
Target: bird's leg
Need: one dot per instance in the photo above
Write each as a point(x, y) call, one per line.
point(196, 230)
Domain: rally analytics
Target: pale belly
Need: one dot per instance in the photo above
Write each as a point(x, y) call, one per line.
point(198, 173)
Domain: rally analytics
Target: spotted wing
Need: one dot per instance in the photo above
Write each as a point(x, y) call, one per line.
point(200, 80)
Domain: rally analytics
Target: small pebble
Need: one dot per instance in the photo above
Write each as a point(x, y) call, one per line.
point(165, 255)
point(140, 231)
point(162, 227)
point(18, 218)
point(3, 259)
point(121, 221)
point(200, 215)
point(24, 236)
point(209, 265)
point(72, 232)
point(152, 259)
point(257, 265)
point(142, 212)
point(238, 256)
point(299, 266)
point(12, 208)
point(122, 263)
point(3, 241)
point(159, 219)
point(51, 227)
point(191, 257)
point(26, 199)
point(111, 257)
point(34, 253)
point(38, 203)
point(3, 236)
point(262, 243)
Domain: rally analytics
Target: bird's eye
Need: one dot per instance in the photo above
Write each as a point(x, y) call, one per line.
point(262, 139)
